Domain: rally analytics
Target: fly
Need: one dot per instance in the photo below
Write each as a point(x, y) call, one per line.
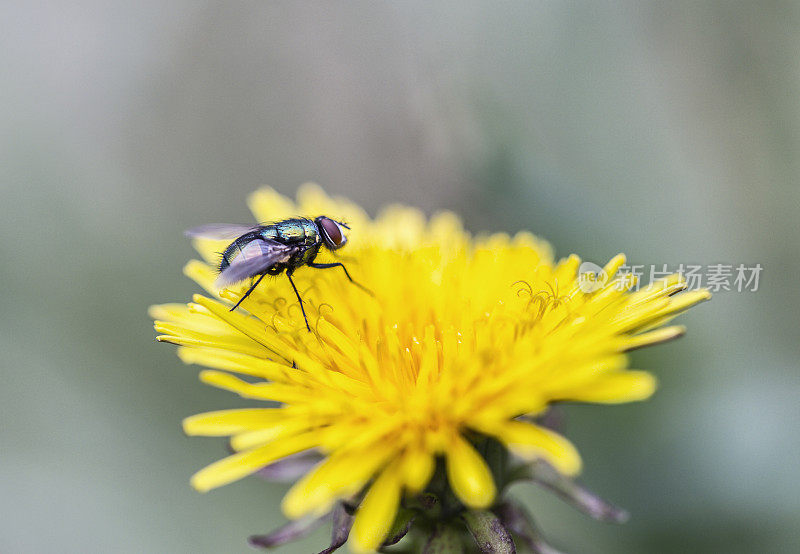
point(272, 249)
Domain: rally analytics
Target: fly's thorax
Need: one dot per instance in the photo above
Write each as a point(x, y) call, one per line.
point(300, 232)
point(310, 254)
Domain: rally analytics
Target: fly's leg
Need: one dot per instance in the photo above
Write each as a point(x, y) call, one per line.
point(340, 264)
point(249, 291)
point(302, 309)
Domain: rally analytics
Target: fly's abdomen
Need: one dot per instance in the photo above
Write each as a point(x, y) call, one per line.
point(243, 246)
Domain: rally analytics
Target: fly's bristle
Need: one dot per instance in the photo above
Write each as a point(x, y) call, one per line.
point(220, 259)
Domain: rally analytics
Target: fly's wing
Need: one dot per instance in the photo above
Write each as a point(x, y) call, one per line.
point(255, 258)
point(218, 231)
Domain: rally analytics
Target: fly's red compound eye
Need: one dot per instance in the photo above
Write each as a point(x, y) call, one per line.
point(333, 233)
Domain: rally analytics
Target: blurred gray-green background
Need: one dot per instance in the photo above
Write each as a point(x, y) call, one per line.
point(667, 130)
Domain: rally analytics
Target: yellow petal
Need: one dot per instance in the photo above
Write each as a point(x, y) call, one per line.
point(612, 388)
point(532, 442)
point(340, 475)
point(248, 326)
point(268, 205)
point(236, 362)
point(269, 432)
point(243, 464)
point(261, 391)
point(313, 201)
point(653, 337)
point(613, 265)
point(169, 312)
point(227, 422)
point(377, 512)
point(418, 466)
point(469, 475)
point(202, 273)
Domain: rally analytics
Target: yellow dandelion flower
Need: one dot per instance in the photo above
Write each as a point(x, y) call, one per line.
point(461, 338)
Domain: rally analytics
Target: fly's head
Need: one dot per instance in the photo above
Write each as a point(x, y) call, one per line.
point(332, 232)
